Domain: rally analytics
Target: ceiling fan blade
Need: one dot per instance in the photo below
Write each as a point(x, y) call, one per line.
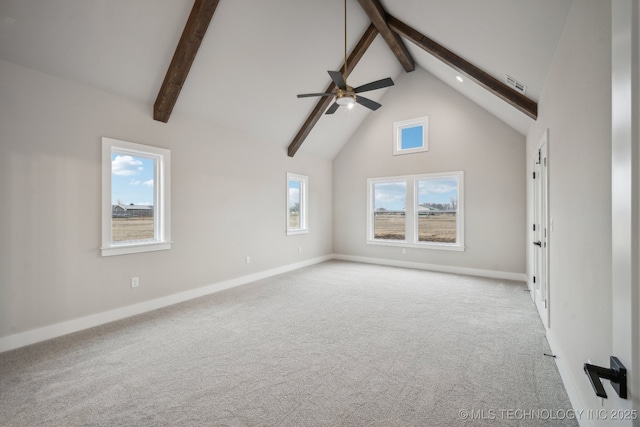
point(333, 108)
point(307, 95)
point(337, 78)
point(378, 84)
point(372, 105)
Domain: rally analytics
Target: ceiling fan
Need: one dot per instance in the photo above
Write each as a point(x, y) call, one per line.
point(346, 95)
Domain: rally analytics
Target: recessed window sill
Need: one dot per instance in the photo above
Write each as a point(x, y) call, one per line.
point(294, 232)
point(403, 244)
point(135, 248)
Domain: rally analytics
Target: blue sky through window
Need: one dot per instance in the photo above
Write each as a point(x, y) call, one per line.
point(294, 192)
point(390, 196)
point(411, 137)
point(132, 179)
point(441, 190)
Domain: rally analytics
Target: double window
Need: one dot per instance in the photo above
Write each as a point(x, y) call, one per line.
point(135, 198)
point(423, 211)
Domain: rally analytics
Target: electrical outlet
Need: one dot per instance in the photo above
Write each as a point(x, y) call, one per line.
point(135, 282)
point(299, 249)
point(248, 260)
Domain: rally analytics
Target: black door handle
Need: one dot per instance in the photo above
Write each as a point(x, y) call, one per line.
point(617, 374)
point(538, 243)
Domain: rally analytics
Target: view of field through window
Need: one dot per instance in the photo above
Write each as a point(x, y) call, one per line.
point(294, 203)
point(132, 197)
point(437, 210)
point(437, 206)
point(389, 210)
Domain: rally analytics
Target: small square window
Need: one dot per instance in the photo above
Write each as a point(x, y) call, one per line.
point(411, 136)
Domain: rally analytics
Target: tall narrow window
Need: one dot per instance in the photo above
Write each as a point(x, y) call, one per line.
point(297, 189)
point(135, 198)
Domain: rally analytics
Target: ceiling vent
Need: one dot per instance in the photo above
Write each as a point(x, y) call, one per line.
point(513, 83)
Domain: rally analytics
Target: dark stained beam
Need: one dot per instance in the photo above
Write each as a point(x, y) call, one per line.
point(376, 14)
point(183, 57)
point(493, 85)
point(353, 59)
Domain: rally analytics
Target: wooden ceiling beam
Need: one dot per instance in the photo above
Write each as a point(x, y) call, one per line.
point(353, 59)
point(493, 85)
point(377, 15)
point(185, 53)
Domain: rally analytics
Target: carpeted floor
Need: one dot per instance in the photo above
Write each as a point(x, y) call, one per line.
point(334, 344)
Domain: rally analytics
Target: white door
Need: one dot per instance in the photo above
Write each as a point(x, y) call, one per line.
point(541, 231)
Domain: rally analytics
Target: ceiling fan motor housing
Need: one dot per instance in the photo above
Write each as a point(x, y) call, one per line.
point(345, 96)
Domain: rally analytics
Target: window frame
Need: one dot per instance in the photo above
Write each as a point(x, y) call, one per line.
point(371, 210)
point(162, 198)
point(304, 207)
point(412, 214)
point(399, 126)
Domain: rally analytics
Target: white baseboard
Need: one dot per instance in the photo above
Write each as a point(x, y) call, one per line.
point(567, 379)
point(63, 328)
point(531, 288)
point(33, 336)
point(439, 268)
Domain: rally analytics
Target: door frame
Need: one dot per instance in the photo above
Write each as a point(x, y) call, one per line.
point(541, 230)
point(625, 197)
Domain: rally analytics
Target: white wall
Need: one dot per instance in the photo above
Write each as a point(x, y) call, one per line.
point(462, 136)
point(228, 202)
point(575, 106)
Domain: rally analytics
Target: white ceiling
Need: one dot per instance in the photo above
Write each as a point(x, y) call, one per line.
point(257, 55)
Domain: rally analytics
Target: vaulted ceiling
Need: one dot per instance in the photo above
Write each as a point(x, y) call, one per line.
point(257, 55)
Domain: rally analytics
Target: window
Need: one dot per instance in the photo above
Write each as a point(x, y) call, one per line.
point(135, 198)
point(411, 136)
point(389, 217)
point(422, 211)
point(297, 189)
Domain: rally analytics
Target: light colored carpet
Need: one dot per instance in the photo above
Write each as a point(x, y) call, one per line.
point(334, 344)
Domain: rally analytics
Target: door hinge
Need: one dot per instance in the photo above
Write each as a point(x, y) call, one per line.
point(534, 279)
point(534, 175)
point(545, 161)
point(539, 156)
point(534, 227)
point(545, 303)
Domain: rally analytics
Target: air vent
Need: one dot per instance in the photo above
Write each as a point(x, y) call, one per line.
point(519, 87)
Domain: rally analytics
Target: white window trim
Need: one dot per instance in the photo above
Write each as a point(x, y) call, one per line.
point(397, 135)
point(162, 198)
point(304, 207)
point(411, 217)
point(371, 208)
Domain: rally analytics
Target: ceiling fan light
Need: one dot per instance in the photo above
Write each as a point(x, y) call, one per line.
point(346, 101)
